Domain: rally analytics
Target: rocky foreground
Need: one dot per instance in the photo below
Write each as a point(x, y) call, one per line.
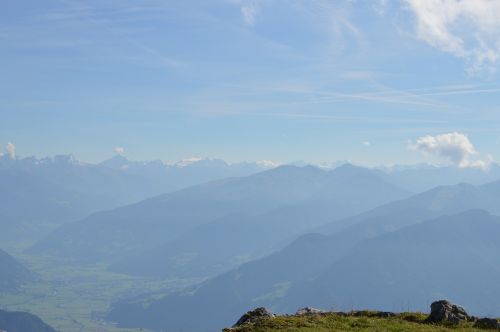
point(444, 316)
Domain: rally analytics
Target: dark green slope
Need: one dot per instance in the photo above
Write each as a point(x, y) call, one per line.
point(22, 322)
point(12, 273)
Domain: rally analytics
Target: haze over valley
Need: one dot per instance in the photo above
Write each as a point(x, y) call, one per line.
point(249, 165)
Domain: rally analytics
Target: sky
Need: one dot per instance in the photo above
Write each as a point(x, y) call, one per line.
point(372, 82)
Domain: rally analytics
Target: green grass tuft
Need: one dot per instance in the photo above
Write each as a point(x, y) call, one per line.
point(332, 322)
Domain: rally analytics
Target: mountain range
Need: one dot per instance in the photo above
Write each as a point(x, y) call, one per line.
point(455, 257)
point(423, 177)
point(366, 247)
point(283, 237)
point(62, 189)
point(203, 251)
point(206, 229)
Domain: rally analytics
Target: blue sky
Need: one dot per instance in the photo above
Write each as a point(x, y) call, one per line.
point(249, 80)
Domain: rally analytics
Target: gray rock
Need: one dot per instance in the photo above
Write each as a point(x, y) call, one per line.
point(446, 312)
point(254, 315)
point(487, 323)
point(308, 311)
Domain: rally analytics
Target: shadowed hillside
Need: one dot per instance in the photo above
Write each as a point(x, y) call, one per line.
point(181, 233)
point(320, 270)
point(22, 322)
point(12, 273)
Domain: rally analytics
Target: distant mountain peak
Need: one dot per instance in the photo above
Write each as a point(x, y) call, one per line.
point(350, 169)
point(117, 162)
point(65, 159)
point(347, 165)
point(187, 161)
point(289, 168)
point(203, 162)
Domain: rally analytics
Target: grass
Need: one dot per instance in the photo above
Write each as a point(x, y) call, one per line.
point(74, 298)
point(332, 322)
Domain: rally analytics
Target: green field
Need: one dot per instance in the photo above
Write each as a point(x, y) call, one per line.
point(73, 297)
point(331, 322)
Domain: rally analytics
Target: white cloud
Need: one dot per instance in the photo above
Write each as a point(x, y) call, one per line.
point(480, 164)
point(455, 147)
point(366, 143)
point(120, 151)
point(249, 11)
point(11, 150)
point(468, 29)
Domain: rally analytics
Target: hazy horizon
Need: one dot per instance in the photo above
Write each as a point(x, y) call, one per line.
point(172, 165)
point(446, 160)
point(264, 163)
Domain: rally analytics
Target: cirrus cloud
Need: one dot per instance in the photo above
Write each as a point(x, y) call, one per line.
point(467, 29)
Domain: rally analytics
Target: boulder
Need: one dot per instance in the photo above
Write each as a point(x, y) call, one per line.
point(254, 315)
point(446, 312)
point(308, 311)
point(487, 323)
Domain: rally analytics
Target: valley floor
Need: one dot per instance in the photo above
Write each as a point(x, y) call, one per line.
point(73, 298)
